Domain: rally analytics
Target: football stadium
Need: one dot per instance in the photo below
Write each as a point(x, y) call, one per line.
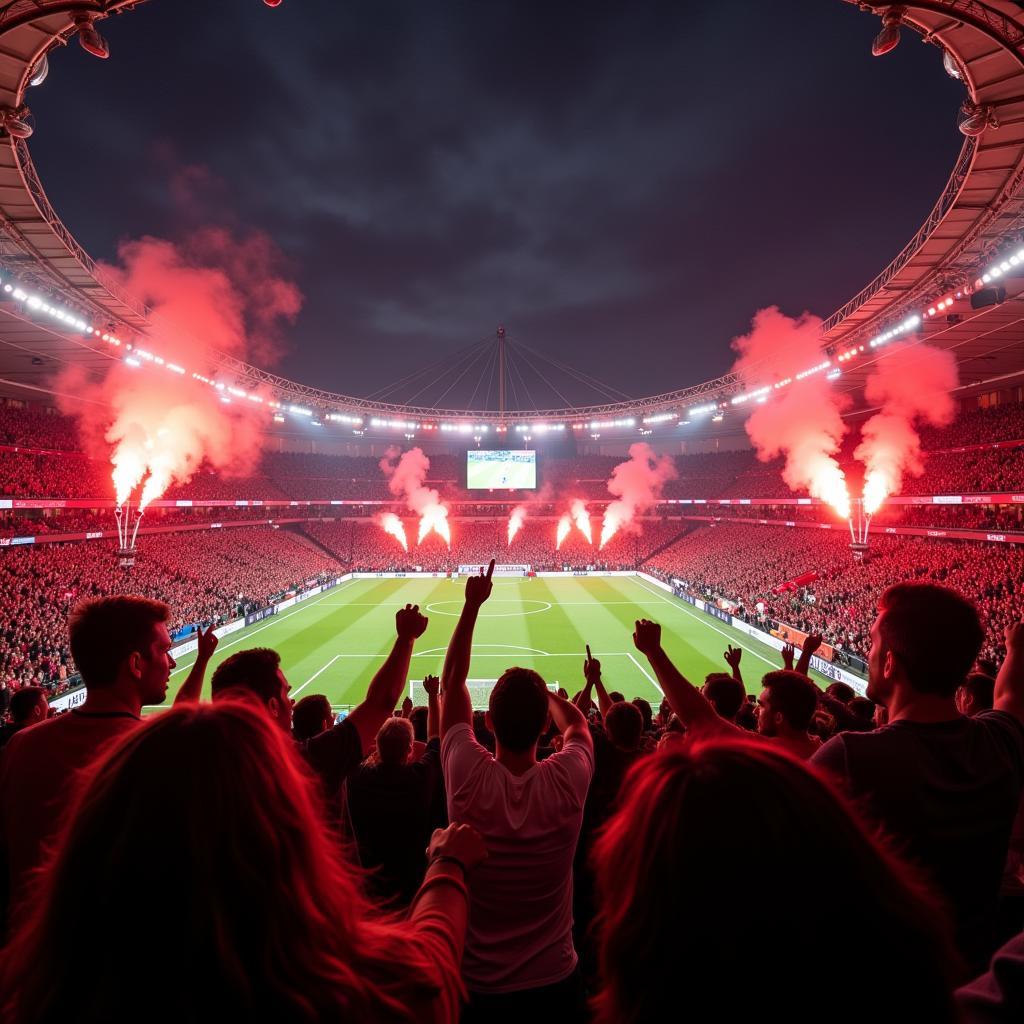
point(473, 546)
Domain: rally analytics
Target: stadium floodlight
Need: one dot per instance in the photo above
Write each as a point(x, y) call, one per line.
point(39, 71)
point(14, 122)
point(889, 37)
point(90, 40)
point(949, 62)
point(975, 118)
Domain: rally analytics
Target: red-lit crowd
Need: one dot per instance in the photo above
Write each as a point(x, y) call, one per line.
point(743, 564)
point(209, 577)
point(583, 858)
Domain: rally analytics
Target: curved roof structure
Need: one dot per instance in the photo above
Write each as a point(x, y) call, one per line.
point(49, 281)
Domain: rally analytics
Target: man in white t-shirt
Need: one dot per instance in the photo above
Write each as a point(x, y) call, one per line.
point(519, 956)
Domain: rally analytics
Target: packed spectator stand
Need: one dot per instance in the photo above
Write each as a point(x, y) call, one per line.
point(839, 603)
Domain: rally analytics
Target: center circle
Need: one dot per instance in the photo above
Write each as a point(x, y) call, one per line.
point(435, 609)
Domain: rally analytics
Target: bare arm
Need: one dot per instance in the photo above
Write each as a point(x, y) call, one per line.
point(732, 659)
point(1009, 692)
point(569, 721)
point(592, 670)
point(387, 685)
point(206, 644)
point(456, 706)
point(787, 652)
point(433, 685)
point(583, 699)
point(811, 644)
point(692, 707)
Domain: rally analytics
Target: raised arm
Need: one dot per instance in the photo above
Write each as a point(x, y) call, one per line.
point(732, 657)
point(1009, 692)
point(569, 721)
point(811, 645)
point(692, 707)
point(387, 685)
point(206, 644)
point(787, 652)
point(592, 671)
point(433, 686)
point(456, 706)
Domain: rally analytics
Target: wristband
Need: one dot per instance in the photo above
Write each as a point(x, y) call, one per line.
point(443, 858)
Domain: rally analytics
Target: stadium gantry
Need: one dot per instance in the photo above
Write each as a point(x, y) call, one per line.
point(957, 284)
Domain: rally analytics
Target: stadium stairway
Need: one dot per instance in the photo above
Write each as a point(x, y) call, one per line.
point(310, 541)
point(686, 528)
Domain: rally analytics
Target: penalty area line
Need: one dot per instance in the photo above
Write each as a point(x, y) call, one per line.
point(314, 675)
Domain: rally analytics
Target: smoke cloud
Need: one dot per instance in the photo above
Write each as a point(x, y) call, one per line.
point(211, 293)
point(636, 485)
point(802, 421)
point(516, 520)
point(405, 475)
point(912, 384)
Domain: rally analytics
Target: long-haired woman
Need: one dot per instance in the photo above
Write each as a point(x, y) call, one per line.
point(195, 881)
point(736, 884)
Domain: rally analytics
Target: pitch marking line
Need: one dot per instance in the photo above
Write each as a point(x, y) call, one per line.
point(646, 673)
point(314, 675)
point(543, 654)
point(434, 609)
point(274, 620)
point(681, 606)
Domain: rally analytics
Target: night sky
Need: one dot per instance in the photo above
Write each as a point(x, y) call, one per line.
point(621, 184)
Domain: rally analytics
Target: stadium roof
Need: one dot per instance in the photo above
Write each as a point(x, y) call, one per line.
point(975, 224)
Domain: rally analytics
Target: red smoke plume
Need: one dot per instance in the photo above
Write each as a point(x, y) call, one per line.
point(801, 420)
point(912, 383)
point(210, 293)
point(636, 485)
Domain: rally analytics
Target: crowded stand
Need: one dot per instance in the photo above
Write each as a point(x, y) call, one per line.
point(34, 428)
point(1004, 518)
point(367, 548)
point(743, 564)
point(305, 476)
point(208, 576)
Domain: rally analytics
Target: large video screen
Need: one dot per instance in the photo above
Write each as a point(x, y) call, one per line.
point(489, 470)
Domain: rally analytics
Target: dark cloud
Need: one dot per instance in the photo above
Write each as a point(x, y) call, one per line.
point(622, 185)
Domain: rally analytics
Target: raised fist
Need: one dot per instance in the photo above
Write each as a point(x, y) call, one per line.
point(409, 622)
point(460, 842)
point(647, 636)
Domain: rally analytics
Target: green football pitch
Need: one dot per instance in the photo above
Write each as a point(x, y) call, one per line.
point(333, 643)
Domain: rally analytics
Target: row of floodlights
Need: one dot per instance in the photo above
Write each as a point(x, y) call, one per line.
point(135, 357)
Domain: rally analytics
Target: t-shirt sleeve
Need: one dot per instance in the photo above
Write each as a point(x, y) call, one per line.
point(576, 761)
point(334, 753)
point(831, 756)
point(461, 756)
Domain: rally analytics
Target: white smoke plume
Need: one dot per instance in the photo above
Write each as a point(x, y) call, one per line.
point(912, 384)
point(405, 475)
point(516, 520)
